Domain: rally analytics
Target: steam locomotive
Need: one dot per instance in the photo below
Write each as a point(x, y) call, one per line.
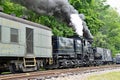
point(27, 46)
point(75, 52)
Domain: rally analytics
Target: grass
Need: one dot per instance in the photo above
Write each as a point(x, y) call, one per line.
point(106, 76)
point(5, 72)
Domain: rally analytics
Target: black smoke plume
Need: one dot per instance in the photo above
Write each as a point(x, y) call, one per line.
point(56, 8)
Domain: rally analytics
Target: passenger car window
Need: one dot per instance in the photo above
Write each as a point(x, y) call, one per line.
point(14, 35)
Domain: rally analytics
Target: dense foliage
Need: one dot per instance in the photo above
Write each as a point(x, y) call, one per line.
point(102, 21)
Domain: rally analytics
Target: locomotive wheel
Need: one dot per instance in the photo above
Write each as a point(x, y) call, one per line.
point(22, 68)
point(12, 68)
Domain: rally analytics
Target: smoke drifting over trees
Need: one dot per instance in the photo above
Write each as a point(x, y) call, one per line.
point(49, 7)
point(58, 8)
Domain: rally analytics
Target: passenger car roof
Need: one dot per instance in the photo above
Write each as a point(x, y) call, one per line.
point(10, 17)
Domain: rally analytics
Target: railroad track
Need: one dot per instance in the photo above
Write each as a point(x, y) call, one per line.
point(42, 75)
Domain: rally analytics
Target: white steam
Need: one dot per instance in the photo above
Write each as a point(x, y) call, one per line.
point(77, 23)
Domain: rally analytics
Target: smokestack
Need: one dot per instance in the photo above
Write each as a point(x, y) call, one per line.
point(56, 8)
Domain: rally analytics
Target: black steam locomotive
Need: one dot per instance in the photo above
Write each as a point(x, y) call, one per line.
point(76, 52)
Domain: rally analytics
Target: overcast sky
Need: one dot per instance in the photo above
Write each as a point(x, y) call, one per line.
point(115, 4)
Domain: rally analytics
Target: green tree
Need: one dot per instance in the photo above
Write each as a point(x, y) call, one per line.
point(90, 8)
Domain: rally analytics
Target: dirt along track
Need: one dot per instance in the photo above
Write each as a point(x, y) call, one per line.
point(42, 75)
